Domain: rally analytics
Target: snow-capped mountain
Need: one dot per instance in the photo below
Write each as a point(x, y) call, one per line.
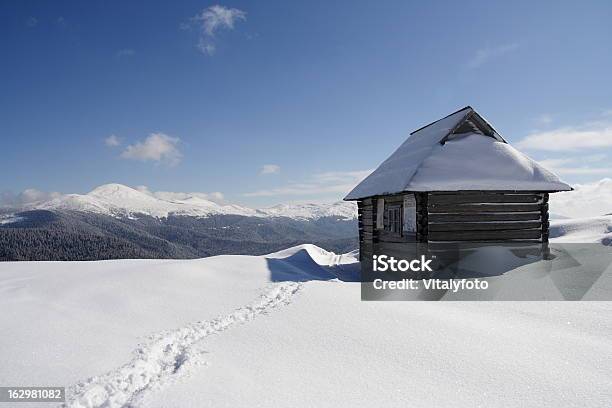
point(122, 201)
point(339, 209)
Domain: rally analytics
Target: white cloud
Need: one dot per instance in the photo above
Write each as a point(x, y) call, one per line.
point(26, 197)
point(32, 22)
point(484, 55)
point(210, 21)
point(544, 119)
point(595, 157)
point(342, 176)
point(270, 169)
point(31, 195)
point(112, 141)
point(577, 166)
point(337, 182)
point(589, 136)
point(215, 196)
point(207, 48)
point(157, 147)
point(126, 52)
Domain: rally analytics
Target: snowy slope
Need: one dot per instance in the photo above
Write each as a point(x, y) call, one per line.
point(339, 209)
point(121, 200)
point(281, 330)
point(9, 219)
point(597, 229)
point(587, 200)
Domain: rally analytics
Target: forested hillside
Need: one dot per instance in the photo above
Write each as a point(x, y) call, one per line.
point(71, 235)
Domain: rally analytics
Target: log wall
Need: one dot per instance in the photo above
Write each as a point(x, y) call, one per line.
point(457, 217)
point(366, 210)
point(487, 216)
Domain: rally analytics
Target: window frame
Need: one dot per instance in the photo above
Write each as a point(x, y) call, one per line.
point(393, 220)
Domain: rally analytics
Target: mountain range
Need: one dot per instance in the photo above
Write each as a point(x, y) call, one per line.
point(120, 200)
point(115, 221)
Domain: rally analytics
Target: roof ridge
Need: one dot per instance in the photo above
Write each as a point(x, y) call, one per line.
point(436, 121)
point(470, 112)
point(406, 168)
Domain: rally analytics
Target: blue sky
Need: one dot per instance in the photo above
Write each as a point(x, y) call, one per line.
point(270, 102)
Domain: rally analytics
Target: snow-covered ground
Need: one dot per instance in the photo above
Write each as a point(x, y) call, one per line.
point(9, 219)
point(589, 230)
point(287, 329)
point(587, 200)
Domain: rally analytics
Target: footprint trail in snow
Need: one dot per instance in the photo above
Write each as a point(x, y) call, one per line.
point(161, 358)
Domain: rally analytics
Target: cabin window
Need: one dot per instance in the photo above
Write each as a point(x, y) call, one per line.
point(380, 212)
point(409, 214)
point(393, 219)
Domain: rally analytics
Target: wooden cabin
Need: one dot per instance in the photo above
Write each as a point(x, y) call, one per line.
point(454, 180)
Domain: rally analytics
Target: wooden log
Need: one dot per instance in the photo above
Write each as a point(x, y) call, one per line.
point(517, 216)
point(436, 199)
point(394, 199)
point(484, 226)
point(526, 247)
point(386, 236)
point(485, 235)
point(545, 223)
point(482, 208)
point(366, 215)
point(421, 200)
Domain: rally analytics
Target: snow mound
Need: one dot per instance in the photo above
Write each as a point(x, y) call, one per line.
point(587, 200)
point(318, 255)
point(584, 230)
point(309, 262)
point(122, 201)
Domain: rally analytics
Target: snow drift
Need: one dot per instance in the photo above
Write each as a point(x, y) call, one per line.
point(597, 229)
point(287, 329)
point(587, 200)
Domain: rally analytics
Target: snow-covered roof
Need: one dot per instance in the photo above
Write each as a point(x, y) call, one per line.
point(459, 152)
